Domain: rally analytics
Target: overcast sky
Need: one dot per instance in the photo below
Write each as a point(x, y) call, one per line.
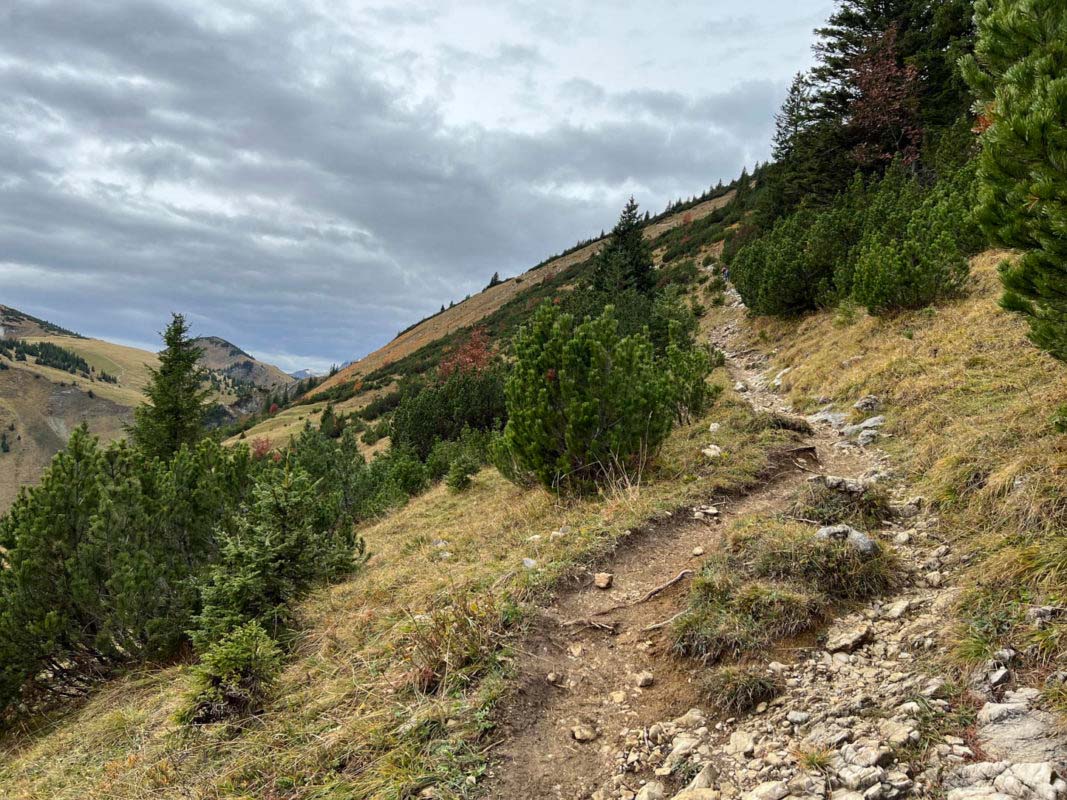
point(306, 177)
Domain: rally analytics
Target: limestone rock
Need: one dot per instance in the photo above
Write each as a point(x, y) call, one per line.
point(847, 639)
point(863, 543)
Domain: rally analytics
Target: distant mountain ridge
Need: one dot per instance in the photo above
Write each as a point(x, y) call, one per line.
point(41, 404)
point(233, 362)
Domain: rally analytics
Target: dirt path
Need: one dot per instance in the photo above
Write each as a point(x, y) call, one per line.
point(576, 676)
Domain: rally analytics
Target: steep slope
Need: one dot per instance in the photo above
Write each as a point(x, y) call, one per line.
point(231, 361)
point(481, 305)
point(498, 582)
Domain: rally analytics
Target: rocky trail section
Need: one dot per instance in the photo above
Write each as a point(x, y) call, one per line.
point(864, 714)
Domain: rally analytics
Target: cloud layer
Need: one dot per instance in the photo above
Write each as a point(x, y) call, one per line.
point(306, 179)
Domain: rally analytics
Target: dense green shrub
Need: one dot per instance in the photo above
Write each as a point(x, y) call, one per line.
point(460, 472)
point(1017, 73)
point(272, 554)
point(99, 560)
point(234, 678)
point(928, 261)
point(583, 403)
point(468, 398)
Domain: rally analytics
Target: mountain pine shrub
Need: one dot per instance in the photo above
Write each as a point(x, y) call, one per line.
point(1019, 75)
point(460, 472)
point(235, 677)
point(584, 403)
point(928, 261)
point(98, 562)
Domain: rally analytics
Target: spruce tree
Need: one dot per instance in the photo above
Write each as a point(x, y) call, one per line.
point(625, 262)
point(1019, 74)
point(174, 413)
point(794, 116)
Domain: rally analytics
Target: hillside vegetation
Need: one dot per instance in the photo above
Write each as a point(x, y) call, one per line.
point(591, 502)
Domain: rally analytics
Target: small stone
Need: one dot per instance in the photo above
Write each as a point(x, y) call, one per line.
point(998, 677)
point(603, 580)
point(933, 579)
point(698, 551)
point(868, 403)
point(653, 790)
point(902, 538)
point(861, 542)
point(583, 733)
point(712, 451)
point(554, 679)
point(848, 639)
point(714, 427)
point(644, 679)
point(618, 698)
point(529, 563)
point(897, 610)
point(798, 717)
point(742, 743)
point(740, 386)
point(768, 790)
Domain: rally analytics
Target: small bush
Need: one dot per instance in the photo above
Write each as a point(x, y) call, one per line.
point(460, 472)
point(737, 689)
point(235, 677)
point(584, 403)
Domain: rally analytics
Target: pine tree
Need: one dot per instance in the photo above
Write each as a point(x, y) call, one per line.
point(328, 424)
point(794, 116)
point(174, 413)
point(625, 262)
point(1018, 74)
point(583, 402)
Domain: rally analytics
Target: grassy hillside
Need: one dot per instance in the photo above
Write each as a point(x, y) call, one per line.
point(499, 309)
point(480, 306)
point(969, 404)
point(44, 403)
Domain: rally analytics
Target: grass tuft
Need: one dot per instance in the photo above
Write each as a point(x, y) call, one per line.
point(737, 689)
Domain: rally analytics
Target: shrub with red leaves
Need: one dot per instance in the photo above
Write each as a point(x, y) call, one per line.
point(260, 447)
point(473, 355)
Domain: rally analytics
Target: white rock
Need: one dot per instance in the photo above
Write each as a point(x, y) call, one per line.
point(653, 790)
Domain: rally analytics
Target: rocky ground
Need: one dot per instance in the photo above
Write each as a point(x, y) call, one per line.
point(864, 714)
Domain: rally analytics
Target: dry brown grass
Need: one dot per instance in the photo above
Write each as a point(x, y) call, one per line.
point(969, 403)
point(351, 720)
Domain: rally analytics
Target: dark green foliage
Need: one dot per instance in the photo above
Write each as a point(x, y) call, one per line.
point(106, 377)
point(5, 445)
point(98, 559)
point(460, 472)
point(625, 262)
point(583, 402)
point(380, 405)
point(1019, 74)
point(889, 243)
point(174, 413)
point(235, 677)
point(929, 261)
point(271, 555)
point(468, 398)
point(46, 354)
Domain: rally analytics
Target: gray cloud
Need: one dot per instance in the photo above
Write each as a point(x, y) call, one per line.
point(304, 184)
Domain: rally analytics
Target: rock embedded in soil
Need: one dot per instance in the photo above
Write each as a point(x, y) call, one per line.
point(861, 542)
point(603, 580)
point(583, 733)
point(644, 679)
